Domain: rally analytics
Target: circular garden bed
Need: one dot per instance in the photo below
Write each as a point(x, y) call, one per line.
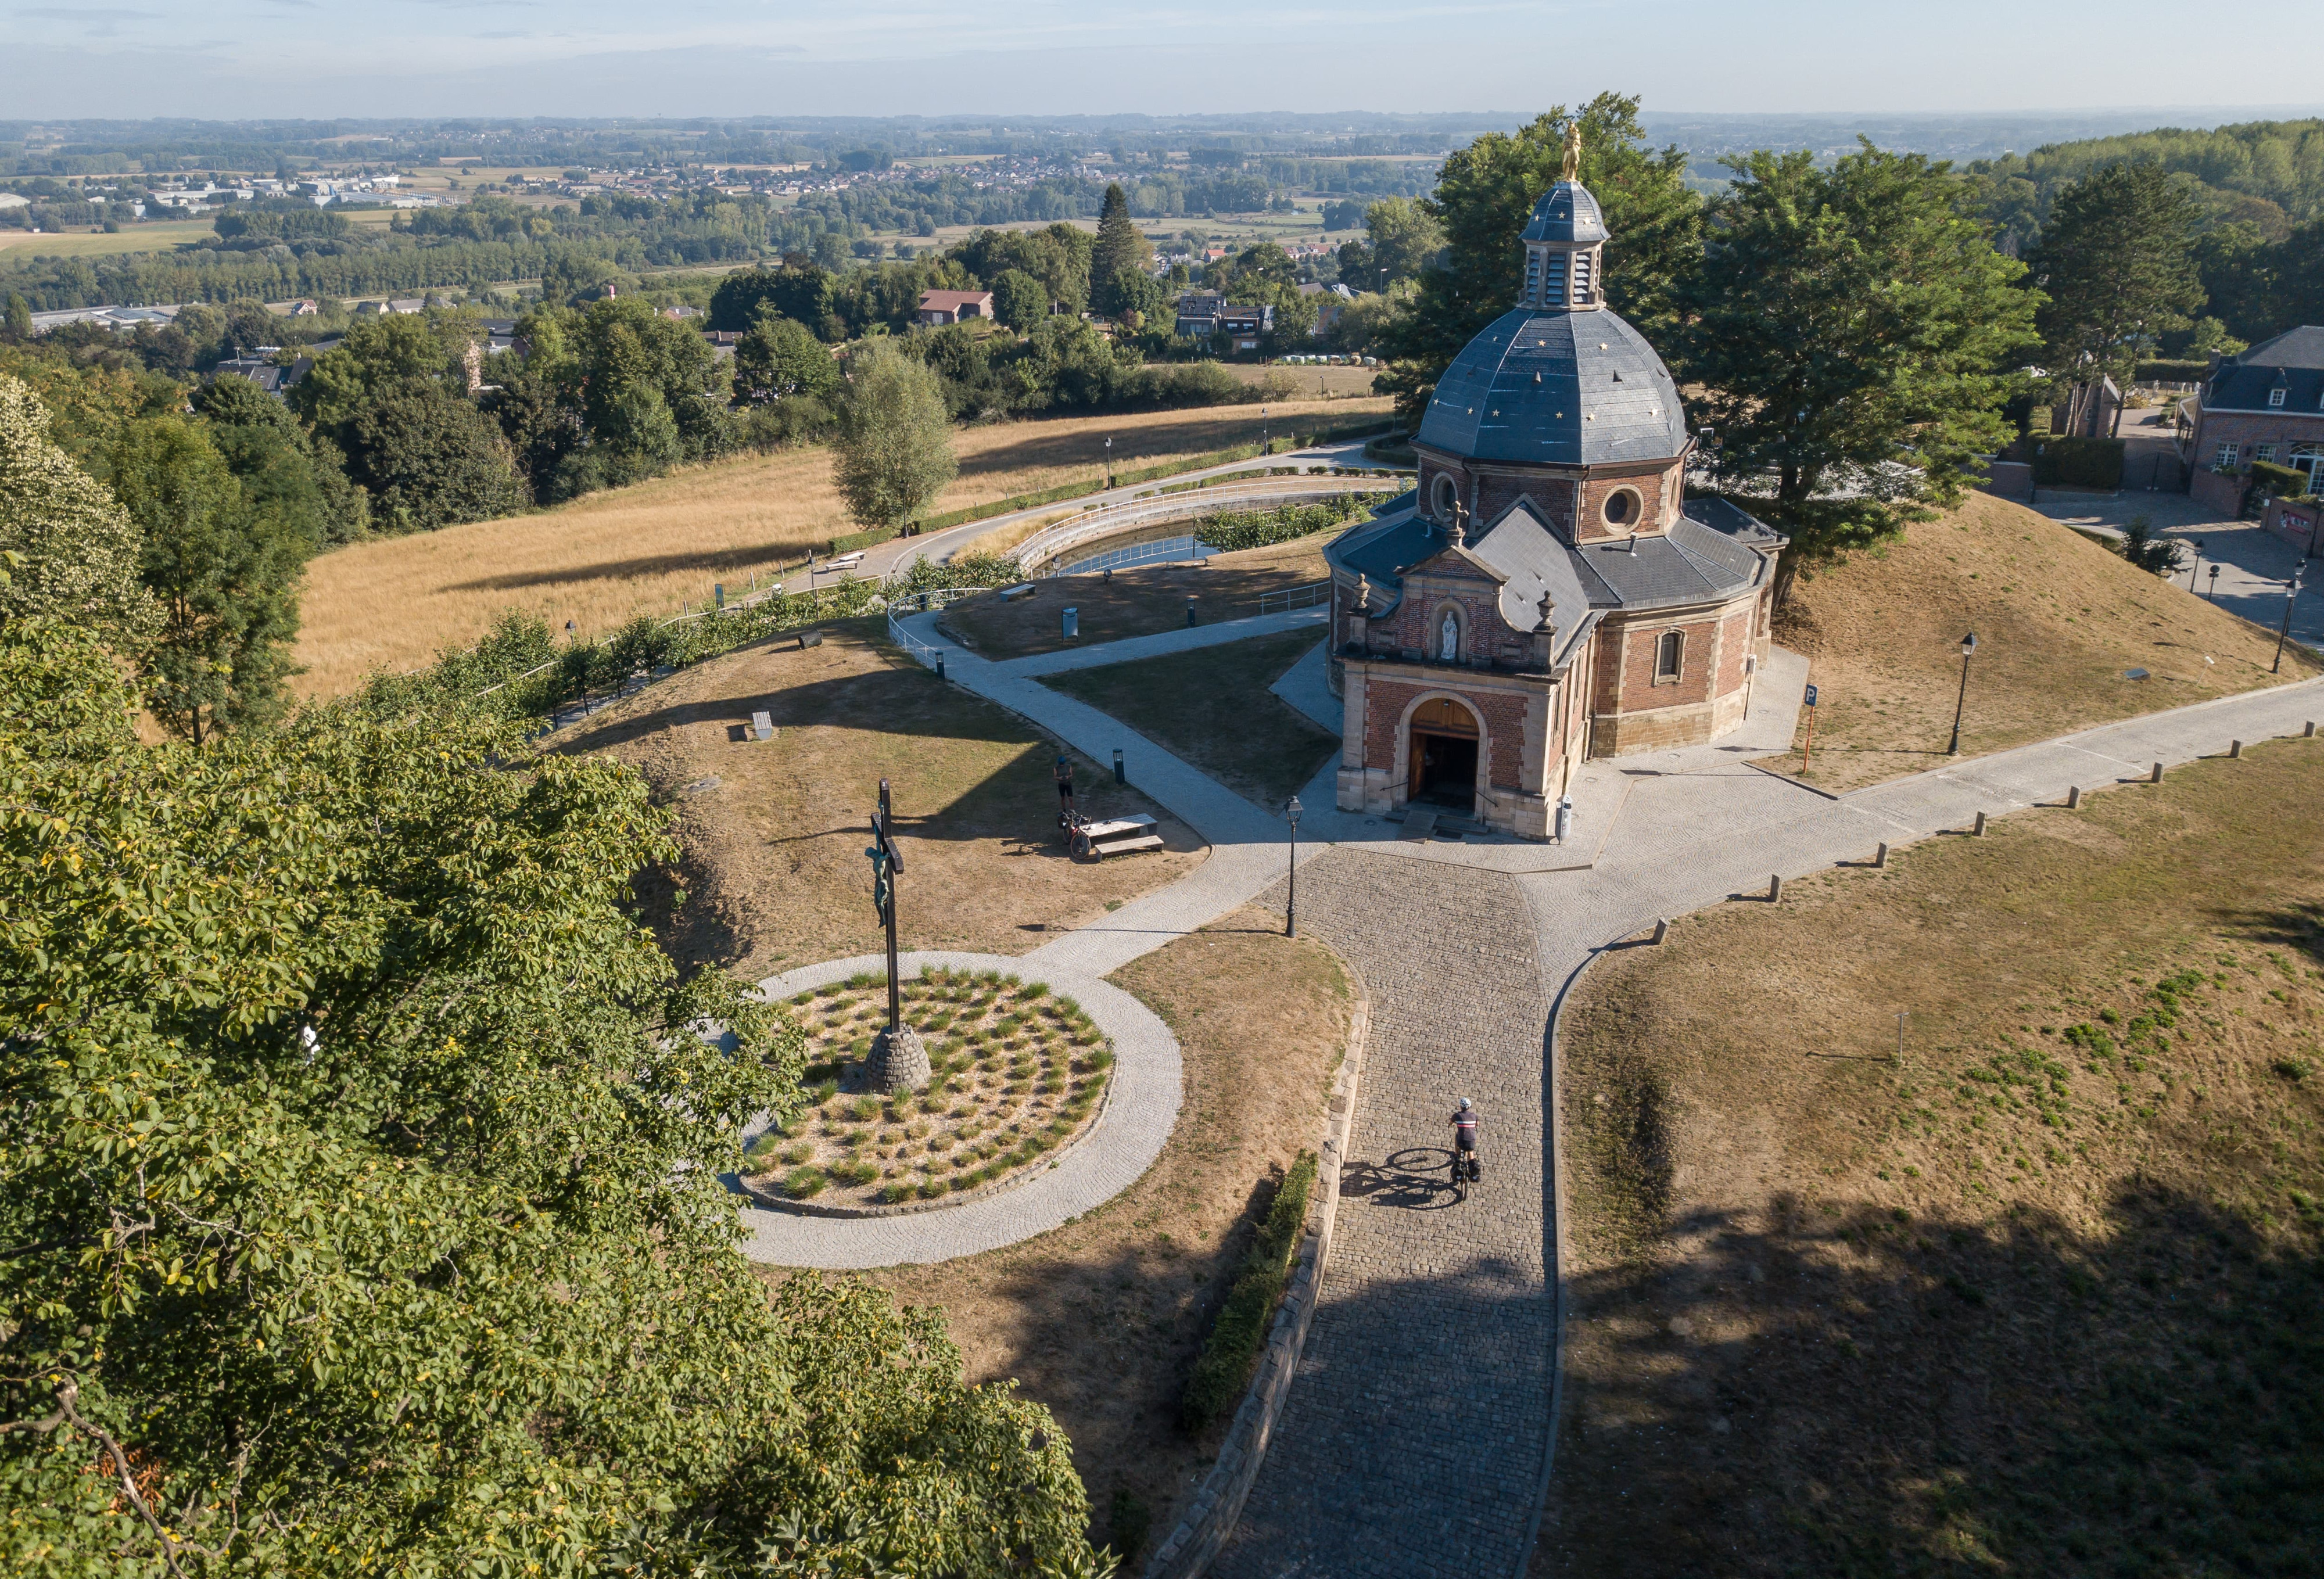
point(1019, 1074)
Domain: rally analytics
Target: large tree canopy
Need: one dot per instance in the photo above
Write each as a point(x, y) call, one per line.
point(78, 548)
point(1483, 201)
point(359, 1207)
point(2118, 265)
point(894, 454)
point(1849, 326)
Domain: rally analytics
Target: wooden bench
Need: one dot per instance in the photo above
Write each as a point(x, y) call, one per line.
point(1123, 836)
point(843, 562)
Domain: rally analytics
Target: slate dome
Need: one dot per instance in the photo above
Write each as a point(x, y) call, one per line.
point(1566, 212)
point(1557, 388)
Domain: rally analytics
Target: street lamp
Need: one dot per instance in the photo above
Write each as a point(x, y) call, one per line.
point(1291, 906)
point(1968, 650)
point(1266, 445)
point(1108, 461)
point(2194, 564)
point(2211, 590)
point(2291, 594)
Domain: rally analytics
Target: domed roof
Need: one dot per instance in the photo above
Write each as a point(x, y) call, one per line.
point(1566, 212)
point(1557, 389)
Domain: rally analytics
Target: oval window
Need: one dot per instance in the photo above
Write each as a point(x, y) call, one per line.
point(1621, 508)
point(1445, 493)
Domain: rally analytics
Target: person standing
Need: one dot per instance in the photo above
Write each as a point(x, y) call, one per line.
point(1064, 772)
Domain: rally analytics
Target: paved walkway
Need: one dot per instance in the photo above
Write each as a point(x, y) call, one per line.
point(1427, 1302)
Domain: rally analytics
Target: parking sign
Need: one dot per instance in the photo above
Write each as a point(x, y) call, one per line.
point(1812, 696)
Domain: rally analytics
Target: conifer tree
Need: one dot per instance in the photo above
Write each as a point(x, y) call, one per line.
point(1120, 246)
point(2117, 264)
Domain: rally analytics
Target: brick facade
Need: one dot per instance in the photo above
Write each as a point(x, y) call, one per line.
point(1569, 500)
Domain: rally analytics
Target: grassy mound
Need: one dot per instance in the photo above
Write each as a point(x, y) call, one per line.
point(2059, 621)
point(2037, 1297)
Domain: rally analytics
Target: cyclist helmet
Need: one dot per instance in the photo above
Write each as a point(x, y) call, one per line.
point(1464, 1101)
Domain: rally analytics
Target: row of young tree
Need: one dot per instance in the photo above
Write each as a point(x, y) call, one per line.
point(360, 1153)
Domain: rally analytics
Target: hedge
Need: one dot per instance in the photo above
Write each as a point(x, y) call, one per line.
point(1224, 1367)
point(2174, 371)
point(2278, 482)
point(1256, 529)
point(2077, 463)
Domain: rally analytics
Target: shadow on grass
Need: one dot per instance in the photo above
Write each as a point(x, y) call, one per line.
point(1200, 430)
point(735, 561)
point(1849, 1391)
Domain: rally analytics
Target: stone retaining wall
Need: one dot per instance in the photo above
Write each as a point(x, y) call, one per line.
point(1211, 1516)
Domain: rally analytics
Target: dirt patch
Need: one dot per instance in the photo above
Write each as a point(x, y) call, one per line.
point(774, 873)
point(1140, 602)
point(2059, 621)
point(1017, 1074)
point(1101, 1319)
point(1212, 707)
point(2038, 1297)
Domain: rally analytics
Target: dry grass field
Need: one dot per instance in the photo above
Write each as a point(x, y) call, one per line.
point(160, 236)
point(1138, 602)
point(1101, 1319)
point(396, 603)
point(2058, 618)
point(773, 872)
point(2038, 1299)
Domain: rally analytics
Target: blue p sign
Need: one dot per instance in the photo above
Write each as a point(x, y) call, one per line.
point(1812, 696)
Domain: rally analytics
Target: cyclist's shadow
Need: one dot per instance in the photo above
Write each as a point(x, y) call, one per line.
point(1417, 1178)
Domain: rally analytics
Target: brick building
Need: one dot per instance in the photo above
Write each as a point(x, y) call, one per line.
point(2266, 404)
point(1547, 593)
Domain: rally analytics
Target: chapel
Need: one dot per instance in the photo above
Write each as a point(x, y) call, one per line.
point(1547, 593)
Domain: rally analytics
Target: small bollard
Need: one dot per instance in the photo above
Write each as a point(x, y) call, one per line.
point(2074, 798)
point(1072, 620)
point(940, 673)
point(2157, 777)
point(1980, 826)
point(2235, 749)
point(1775, 889)
point(1119, 776)
point(1190, 611)
point(1880, 857)
point(2309, 732)
point(1662, 929)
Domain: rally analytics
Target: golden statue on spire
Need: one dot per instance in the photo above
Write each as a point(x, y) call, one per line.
point(1572, 171)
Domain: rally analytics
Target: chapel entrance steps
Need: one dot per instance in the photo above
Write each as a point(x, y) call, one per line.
point(1434, 822)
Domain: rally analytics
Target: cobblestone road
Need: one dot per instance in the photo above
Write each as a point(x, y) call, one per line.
point(1412, 1444)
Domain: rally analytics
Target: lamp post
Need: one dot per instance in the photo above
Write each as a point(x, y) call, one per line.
point(2291, 595)
point(2194, 564)
point(1968, 650)
point(2211, 590)
point(1291, 906)
point(1266, 444)
point(1109, 461)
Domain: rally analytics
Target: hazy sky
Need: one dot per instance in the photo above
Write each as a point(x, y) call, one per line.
point(238, 59)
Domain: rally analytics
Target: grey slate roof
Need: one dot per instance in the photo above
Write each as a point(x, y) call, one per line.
point(2299, 347)
point(2239, 386)
point(1557, 388)
point(1566, 212)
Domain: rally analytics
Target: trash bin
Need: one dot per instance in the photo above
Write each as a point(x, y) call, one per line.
point(1565, 818)
point(1073, 619)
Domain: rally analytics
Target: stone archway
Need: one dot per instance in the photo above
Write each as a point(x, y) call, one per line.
point(1443, 747)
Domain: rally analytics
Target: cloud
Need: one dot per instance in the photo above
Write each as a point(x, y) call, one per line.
point(94, 13)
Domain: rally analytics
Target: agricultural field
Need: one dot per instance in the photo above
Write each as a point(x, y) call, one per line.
point(396, 602)
point(19, 245)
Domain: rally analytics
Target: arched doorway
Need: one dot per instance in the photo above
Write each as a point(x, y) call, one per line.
point(1442, 753)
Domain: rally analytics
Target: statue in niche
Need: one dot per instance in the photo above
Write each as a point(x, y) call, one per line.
point(1448, 638)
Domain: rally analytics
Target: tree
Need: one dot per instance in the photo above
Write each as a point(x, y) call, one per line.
point(376, 354)
point(359, 1194)
point(224, 575)
point(1139, 298)
point(1019, 300)
point(281, 470)
point(1848, 323)
point(2117, 264)
point(803, 294)
point(1483, 199)
point(1121, 247)
point(19, 319)
point(1404, 238)
point(783, 358)
point(894, 451)
point(81, 550)
point(430, 460)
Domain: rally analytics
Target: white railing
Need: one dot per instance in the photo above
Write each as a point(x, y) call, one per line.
point(1052, 542)
point(1291, 597)
point(914, 602)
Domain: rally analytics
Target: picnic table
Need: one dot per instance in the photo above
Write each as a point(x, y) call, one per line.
point(1120, 836)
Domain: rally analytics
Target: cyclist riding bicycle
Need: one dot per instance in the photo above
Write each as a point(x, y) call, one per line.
point(1464, 1140)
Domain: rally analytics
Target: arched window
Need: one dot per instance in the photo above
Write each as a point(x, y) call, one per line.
point(1443, 494)
point(1670, 652)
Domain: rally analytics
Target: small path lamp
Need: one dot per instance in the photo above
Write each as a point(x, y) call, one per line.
point(2211, 589)
point(1291, 906)
point(2194, 564)
point(1266, 443)
point(1108, 461)
point(1968, 650)
point(2290, 596)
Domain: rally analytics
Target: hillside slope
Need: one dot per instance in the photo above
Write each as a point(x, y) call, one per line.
point(2059, 621)
point(642, 550)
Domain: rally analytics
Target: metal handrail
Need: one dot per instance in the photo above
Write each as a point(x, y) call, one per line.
point(1053, 540)
point(1292, 597)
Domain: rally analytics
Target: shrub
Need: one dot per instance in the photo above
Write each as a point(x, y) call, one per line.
point(1224, 1366)
point(2077, 463)
point(803, 1182)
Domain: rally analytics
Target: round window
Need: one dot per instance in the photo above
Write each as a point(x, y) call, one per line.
point(1443, 495)
point(1621, 508)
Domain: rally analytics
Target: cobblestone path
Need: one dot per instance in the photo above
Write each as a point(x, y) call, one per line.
point(1412, 1444)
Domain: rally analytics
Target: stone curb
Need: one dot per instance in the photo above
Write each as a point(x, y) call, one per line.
point(770, 1201)
point(1211, 1518)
